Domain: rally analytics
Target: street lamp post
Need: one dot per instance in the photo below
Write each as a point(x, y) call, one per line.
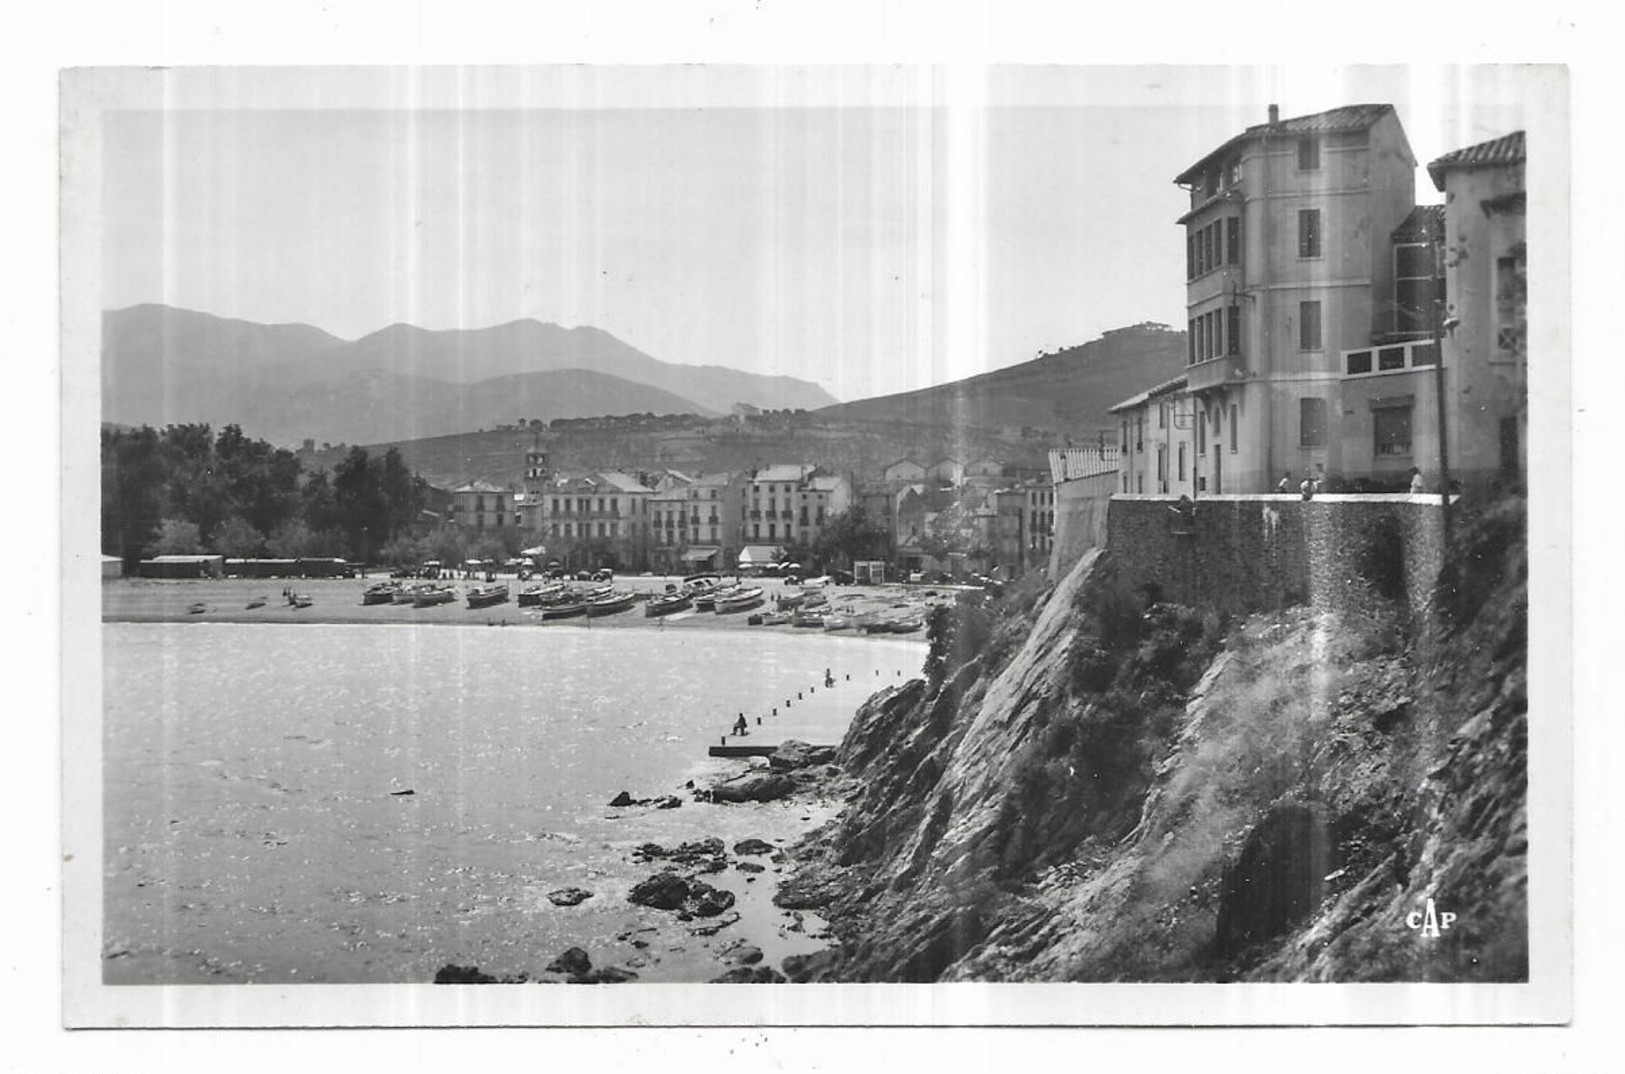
point(1440, 326)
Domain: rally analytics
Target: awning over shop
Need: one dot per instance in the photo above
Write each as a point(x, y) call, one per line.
point(700, 555)
point(759, 555)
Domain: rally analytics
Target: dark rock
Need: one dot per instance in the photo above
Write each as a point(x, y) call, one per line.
point(708, 901)
point(792, 753)
point(451, 973)
point(749, 867)
point(750, 975)
point(606, 975)
point(745, 954)
point(663, 891)
point(573, 961)
point(568, 896)
point(700, 848)
point(810, 967)
point(622, 799)
point(1278, 878)
point(809, 889)
point(769, 788)
point(712, 926)
point(668, 801)
point(648, 852)
point(753, 846)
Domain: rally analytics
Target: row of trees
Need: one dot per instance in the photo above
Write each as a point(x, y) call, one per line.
point(184, 489)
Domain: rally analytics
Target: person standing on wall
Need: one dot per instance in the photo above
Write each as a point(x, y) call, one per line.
point(1416, 480)
point(1285, 485)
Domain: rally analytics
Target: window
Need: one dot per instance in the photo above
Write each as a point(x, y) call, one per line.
point(1190, 341)
point(1232, 172)
point(1190, 255)
point(1181, 462)
point(1209, 255)
point(1162, 415)
point(1234, 421)
point(1308, 154)
point(1359, 362)
point(1201, 433)
point(1312, 422)
point(1139, 431)
point(1232, 240)
point(1390, 358)
point(1232, 340)
point(1509, 286)
point(1414, 276)
point(1162, 468)
point(1391, 430)
point(1309, 326)
point(1308, 232)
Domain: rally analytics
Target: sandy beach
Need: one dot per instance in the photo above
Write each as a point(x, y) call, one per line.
point(338, 600)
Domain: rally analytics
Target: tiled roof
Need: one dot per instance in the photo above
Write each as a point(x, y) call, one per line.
point(1348, 117)
point(1425, 223)
point(478, 485)
point(1507, 149)
point(783, 472)
point(1146, 396)
point(622, 482)
point(824, 484)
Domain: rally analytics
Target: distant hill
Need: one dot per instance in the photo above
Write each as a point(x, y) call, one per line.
point(1068, 391)
point(287, 382)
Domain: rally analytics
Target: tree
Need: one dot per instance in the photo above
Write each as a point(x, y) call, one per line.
point(176, 537)
point(236, 537)
point(852, 535)
point(295, 538)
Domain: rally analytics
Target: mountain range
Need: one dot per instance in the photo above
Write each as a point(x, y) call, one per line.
point(287, 382)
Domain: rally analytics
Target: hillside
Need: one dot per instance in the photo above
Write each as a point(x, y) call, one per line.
point(1069, 390)
point(1089, 789)
point(162, 365)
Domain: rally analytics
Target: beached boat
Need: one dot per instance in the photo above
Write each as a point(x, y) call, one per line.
point(483, 596)
point(430, 595)
point(197, 609)
point(611, 604)
point(407, 594)
point(536, 595)
point(566, 609)
point(300, 600)
point(380, 593)
point(905, 626)
point(257, 602)
point(839, 621)
point(808, 617)
point(740, 601)
point(705, 600)
point(666, 604)
point(775, 618)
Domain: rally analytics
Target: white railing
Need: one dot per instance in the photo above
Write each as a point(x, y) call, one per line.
point(1070, 464)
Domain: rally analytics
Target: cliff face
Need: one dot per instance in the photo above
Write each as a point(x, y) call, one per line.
point(1089, 789)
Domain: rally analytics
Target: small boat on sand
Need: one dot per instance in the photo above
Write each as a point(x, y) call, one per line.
point(533, 596)
point(667, 604)
point(430, 595)
point(775, 618)
point(300, 600)
point(380, 593)
point(739, 601)
point(257, 602)
point(812, 618)
point(611, 604)
point(484, 596)
point(407, 594)
point(197, 609)
point(564, 609)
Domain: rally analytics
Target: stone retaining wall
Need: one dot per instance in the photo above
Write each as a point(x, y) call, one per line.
point(1246, 553)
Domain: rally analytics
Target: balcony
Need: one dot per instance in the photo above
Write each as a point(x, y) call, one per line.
point(1216, 372)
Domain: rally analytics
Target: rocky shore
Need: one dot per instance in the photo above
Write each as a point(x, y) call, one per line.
point(678, 884)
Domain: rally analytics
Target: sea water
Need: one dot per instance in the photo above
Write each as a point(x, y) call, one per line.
point(256, 827)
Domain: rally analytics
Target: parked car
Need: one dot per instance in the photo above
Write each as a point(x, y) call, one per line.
point(842, 577)
point(603, 574)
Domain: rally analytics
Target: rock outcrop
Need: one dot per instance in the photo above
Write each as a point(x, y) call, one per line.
point(1091, 785)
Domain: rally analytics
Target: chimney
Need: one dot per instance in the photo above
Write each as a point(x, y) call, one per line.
point(1275, 115)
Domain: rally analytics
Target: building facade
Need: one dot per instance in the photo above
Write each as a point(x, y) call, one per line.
point(791, 503)
point(1314, 322)
point(480, 505)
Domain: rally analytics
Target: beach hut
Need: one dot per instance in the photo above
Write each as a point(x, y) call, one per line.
point(183, 567)
point(112, 567)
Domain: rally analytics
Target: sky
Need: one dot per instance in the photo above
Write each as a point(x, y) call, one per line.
point(870, 229)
